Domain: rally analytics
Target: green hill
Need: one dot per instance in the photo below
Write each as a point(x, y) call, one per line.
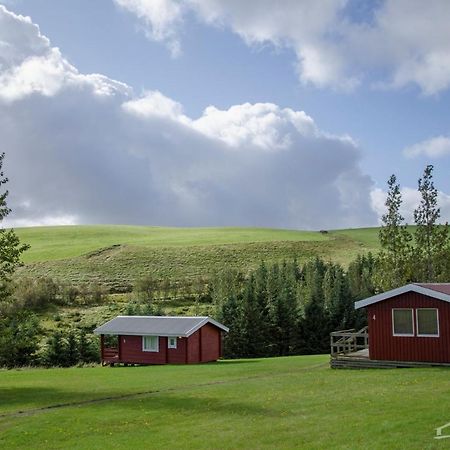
point(116, 256)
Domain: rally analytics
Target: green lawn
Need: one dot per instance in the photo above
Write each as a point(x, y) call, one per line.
point(295, 402)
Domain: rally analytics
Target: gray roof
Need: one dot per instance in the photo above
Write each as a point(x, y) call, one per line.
point(156, 325)
point(434, 290)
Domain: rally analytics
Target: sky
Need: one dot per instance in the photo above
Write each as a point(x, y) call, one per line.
point(289, 114)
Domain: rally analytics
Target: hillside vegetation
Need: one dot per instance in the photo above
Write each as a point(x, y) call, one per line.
point(292, 402)
point(115, 256)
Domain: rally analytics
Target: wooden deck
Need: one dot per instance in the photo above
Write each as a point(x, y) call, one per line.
point(359, 360)
point(350, 350)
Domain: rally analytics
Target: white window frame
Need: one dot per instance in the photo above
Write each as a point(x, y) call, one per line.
point(153, 350)
point(412, 323)
point(417, 322)
point(169, 345)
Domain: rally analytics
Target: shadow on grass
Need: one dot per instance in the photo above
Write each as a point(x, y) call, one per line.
point(198, 405)
point(17, 399)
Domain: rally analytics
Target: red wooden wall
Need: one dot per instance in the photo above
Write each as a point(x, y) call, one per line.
point(384, 346)
point(202, 346)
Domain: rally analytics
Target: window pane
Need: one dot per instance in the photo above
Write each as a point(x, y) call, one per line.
point(403, 323)
point(151, 343)
point(427, 322)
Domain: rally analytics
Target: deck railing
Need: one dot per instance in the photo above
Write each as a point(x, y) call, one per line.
point(348, 341)
point(110, 353)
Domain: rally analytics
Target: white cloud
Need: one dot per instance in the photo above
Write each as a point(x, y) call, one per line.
point(407, 40)
point(411, 199)
point(85, 149)
point(155, 104)
point(161, 17)
point(436, 147)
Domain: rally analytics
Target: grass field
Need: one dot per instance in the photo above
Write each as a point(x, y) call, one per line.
point(50, 243)
point(295, 402)
point(116, 256)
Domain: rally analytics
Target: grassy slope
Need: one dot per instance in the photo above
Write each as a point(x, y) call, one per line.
point(295, 402)
point(117, 255)
point(51, 243)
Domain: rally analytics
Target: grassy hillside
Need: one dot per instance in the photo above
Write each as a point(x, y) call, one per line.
point(117, 255)
point(295, 402)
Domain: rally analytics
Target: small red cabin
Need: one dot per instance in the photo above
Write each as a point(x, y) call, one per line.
point(410, 323)
point(161, 340)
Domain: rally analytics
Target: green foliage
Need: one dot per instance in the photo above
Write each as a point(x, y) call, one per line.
point(19, 338)
point(286, 309)
point(10, 247)
point(402, 259)
point(394, 260)
point(66, 349)
point(35, 294)
point(432, 241)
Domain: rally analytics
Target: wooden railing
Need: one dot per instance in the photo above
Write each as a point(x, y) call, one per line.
point(110, 353)
point(348, 341)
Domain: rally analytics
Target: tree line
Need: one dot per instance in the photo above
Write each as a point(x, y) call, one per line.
point(289, 309)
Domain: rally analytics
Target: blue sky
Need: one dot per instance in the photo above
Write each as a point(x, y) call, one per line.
point(386, 95)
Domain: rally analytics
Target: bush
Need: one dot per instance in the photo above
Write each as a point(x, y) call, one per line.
point(66, 349)
point(93, 294)
point(19, 338)
point(35, 293)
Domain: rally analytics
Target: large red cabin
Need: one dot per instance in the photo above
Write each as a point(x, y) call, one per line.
point(411, 323)
point(160, 340)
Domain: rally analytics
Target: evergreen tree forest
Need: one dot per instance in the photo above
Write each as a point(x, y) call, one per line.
point(288, 309)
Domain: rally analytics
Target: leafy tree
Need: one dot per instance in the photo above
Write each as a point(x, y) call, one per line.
point(431, 239)
point(394, 260)
point(10, 247)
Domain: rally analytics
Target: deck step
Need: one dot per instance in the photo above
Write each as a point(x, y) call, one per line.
point(343, 362)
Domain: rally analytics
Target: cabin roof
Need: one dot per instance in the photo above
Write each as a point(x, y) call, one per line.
point(156, 325)
point(440, 291)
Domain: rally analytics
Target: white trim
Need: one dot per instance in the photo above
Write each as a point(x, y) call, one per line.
point(149, 349)
point(204, 322)
point(417, 322)
point(412, 323)
point(169, 345)
point(401, 290)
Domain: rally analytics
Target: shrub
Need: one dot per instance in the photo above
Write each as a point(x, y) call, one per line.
point(19, 338)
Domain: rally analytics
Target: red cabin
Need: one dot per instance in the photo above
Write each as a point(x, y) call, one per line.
point(411, 323)
point(160, 340)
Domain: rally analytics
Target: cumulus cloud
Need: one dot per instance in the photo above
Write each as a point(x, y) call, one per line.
point(82, 148)
point(436, 147)
point(411, 199)
point(408, 41)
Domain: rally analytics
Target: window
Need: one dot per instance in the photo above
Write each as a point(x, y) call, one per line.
point(150, 343)
point(402, 322)
point(172, 342)
point(427, 322)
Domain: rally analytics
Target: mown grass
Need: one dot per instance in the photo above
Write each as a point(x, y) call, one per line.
point(116, 256)
point(295, 402)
